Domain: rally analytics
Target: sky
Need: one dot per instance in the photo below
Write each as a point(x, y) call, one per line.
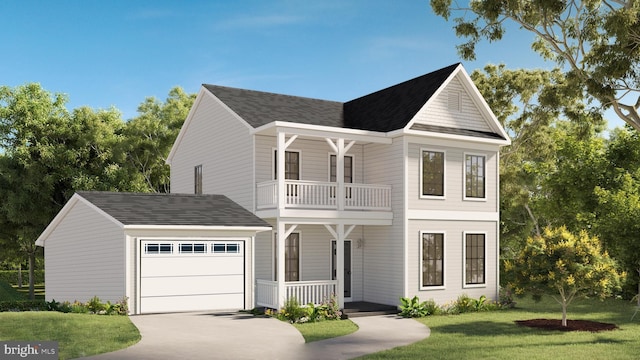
point(116, 53)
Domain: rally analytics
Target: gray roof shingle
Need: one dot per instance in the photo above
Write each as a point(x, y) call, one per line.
point(385, 110)
point(172, 209)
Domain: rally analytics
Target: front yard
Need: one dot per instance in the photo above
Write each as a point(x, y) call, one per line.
point(494, 335)
point(78, 335)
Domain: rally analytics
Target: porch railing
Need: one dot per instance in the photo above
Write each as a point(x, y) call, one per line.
point(304, 291)
point(322, 195)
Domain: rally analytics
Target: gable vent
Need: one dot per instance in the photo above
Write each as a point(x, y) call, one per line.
point(454, 100)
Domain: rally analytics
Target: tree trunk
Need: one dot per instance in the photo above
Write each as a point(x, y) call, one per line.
point(32, 278)
point(564, 312)
point(20, 276)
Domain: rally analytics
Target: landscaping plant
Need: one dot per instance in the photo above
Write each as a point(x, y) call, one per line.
point(565, 266)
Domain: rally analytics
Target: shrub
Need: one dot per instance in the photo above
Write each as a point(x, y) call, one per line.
point(293, 312)
point(95, 305)
point(23, 305)
point(413, 307)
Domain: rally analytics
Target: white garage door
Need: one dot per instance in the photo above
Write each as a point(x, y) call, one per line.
point(191, 275)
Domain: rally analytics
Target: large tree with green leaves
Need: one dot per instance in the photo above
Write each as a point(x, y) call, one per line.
point(149, 136)
point(597, 42)
point(531, 105)
point(565, 266)
point(48, 153)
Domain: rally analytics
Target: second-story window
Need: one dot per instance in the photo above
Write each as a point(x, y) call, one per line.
point(348, 169)
point(474, 176)
point(197, 183)
point(291, 165)
point(432, 174)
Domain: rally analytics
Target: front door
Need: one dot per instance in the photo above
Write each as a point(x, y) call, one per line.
point(347, 266)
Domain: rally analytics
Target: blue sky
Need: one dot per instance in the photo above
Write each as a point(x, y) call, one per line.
point(117, 53)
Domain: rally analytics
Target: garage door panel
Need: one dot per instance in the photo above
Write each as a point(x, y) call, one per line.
point(191, 265)
point(173, 279)
point(164, 286)
point(192, 303)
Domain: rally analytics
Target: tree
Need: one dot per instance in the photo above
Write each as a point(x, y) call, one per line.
point(530, 104)
point(618, 208)
point(49, 153)
point(149, 136)
point(597, 42)
point(564, 266)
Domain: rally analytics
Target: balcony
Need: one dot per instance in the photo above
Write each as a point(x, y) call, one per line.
point(322, 195)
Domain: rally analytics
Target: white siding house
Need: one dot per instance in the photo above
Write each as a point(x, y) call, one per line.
point(390, 195)
point(160, 252)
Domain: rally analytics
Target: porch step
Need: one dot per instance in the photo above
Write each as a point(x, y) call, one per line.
point(362, 308)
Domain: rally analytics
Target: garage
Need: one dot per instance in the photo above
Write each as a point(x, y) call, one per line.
point(160, 253)
point(187, 275)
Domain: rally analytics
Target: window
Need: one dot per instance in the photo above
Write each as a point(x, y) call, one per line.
point(348, 168)
point(197, 174)
point(225, 248)
point(158, 248)
point(432, 173)
point(474, 176)
point(348, 173)
point(291, 165)
point(432, 248)
point(474, 259)
point(291, 257)
point(190, 248)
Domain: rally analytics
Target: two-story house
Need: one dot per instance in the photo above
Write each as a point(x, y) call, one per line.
point(390, 195)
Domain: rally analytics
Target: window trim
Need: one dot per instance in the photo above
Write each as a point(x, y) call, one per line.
point(464, 260)
point(464, 177)
point(273, 162)
point(444, 260)
point(444, 174)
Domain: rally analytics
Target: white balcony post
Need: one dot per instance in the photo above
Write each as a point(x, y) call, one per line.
point(281, 236)
point(340, 175)
point(340, 263)
point(281, 147)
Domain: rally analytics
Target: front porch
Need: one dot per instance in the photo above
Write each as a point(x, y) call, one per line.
point(314, 292)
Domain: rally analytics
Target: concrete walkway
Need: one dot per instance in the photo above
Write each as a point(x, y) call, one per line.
point(243, 336)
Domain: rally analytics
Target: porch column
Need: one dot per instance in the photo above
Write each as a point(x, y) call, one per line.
point(282, 145)
point(340, 262)
point(281, 236)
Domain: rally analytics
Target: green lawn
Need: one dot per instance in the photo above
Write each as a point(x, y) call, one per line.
point(493, 335)
point(326, 329)
point(38, 291)
point(78, 335)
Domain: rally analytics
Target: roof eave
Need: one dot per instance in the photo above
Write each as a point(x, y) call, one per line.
point(197, 227)
point(499, 142)
point(322, 131)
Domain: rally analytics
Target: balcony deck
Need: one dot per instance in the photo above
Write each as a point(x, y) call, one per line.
point(322, 195)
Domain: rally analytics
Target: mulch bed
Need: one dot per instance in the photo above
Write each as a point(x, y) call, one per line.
point(572, 325)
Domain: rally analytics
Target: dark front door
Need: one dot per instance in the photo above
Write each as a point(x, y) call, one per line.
point(347, 266)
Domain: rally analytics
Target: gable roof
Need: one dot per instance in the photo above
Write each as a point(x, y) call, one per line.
point(172, 209)
point(260, 108)
point(385, 110)
point(162, 211)
point(392, 108)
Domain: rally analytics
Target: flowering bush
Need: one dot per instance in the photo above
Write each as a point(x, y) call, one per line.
point(294, 313)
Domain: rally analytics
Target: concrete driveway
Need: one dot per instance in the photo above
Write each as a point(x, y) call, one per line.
point(243, 336)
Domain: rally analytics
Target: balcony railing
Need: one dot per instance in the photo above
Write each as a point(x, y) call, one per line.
point(322, 195)
point(305, 292)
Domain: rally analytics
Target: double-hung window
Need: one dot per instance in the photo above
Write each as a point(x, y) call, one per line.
point(432, 174)
point(474, 174)
point(197, 180)
point(291, 165)
point(432, 250)
point(474, 259)
point(291, 257)
point(348, 172)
